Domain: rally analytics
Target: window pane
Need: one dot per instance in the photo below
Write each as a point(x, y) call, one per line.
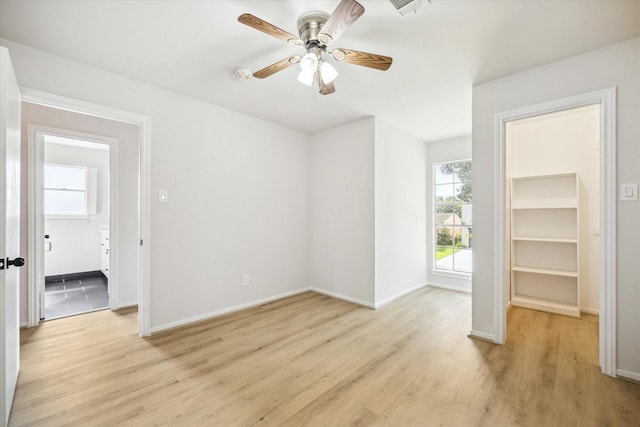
point(64, 177)
point(453, 215)
point(462, 260)
point(444, 236)
point(444, 257)
point(466, 210)
point(444, 173)
point(463, 192)
point(462, 171)
point(444, 193)
point(461, 237)
point(445, 209)
point(63, 202)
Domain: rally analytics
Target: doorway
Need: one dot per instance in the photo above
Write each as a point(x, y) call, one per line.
point(606, 99)
point(552, 173)
point(127, 222)
point(75, 197)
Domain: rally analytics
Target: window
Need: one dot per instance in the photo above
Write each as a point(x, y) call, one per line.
point(452, 216)
point(65, 190)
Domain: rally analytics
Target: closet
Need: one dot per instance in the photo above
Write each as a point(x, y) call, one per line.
point(544, 243)
point(552, 189)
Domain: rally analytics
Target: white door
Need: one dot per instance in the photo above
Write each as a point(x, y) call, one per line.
point(9, 234)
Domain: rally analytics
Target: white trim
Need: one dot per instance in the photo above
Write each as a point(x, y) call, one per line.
point(35, 228)
point(114, 227)
point(635, 376)
point(227, 310)
point(499, 262)
point(482, 335)
point(36, 215)
point(68, 217)
point(343, 297)
point(144, 213)
point(127, 304)
point(449, 287)
point(607, 100)
point(591, 311)
point(144, 124)
point(458, 275)
point(608, 224)
point(399, 295)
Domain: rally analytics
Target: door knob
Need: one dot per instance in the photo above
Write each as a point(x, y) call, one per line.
point(18, 262)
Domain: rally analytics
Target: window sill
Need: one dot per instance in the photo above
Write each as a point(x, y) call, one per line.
point(67, 217)
point(451, 274)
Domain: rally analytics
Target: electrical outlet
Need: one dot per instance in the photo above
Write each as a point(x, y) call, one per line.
point(245, 280)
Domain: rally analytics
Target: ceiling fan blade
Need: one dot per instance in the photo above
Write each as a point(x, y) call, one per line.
point(371, 60)
point(347, 12)
point(324, 88)
point(278, 66)
point(267, 28)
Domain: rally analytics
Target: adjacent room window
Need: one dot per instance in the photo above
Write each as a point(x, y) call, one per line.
point(452, 216)
point(65, 190)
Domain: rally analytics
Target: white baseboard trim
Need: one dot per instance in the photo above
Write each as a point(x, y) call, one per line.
point(483, 336)
point(449, 287)
point(628, 374)
point(343, 297)
point(592, 311)
point(24, 324)
point(224, 311)
point(125, 305)
point(399, 295)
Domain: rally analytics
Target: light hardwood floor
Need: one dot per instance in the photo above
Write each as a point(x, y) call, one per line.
point(314, 360)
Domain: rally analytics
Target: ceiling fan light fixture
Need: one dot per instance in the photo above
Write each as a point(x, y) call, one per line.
point(309, 63)
point(328, 72)
point(306, 77)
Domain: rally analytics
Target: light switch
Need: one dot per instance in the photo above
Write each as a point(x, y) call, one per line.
point(629, 191)
point(163, 196)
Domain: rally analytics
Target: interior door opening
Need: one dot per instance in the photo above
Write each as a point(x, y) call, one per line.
point(75, 194)
point(128, 142)
point(553, 213)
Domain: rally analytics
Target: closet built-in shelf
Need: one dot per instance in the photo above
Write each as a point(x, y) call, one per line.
point(544, 243)
point(545, 271)
point(543, 239)
point(557, 203)
point(546, 305)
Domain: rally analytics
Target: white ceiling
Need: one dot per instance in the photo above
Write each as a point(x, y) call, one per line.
point(192, 47)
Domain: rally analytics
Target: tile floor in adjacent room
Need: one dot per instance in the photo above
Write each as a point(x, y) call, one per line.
point(67, 297)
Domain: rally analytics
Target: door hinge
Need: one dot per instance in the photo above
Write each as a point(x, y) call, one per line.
point(140, 242)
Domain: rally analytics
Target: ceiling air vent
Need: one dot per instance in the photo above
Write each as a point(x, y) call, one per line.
point(408, 6)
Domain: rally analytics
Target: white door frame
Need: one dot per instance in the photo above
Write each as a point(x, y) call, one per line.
point(606, 98)
point(144, 124)
point(36, 288)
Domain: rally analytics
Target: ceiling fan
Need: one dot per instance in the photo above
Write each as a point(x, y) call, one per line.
point(317, 31)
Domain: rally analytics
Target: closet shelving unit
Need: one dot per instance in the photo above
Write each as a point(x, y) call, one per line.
point(544, 243)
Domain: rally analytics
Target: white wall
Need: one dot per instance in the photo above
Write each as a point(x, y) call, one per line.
point(617, 65)
point(449, 150)
point(341, 184)
point(128, 146)
point(75, 243)
point(238, 192)
point(567, 141)
point(400, 213)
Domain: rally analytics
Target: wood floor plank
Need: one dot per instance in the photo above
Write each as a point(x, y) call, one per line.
point(313, 360)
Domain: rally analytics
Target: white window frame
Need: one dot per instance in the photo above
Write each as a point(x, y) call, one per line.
point(453, 273)
point(90, 189)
